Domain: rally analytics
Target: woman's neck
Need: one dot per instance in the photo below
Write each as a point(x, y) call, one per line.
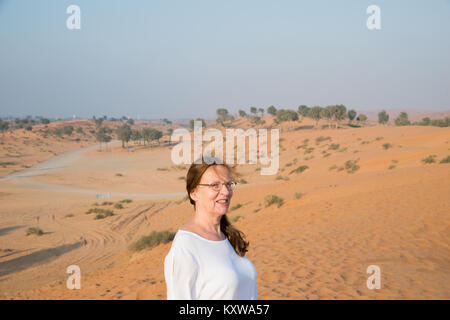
point(208, 223)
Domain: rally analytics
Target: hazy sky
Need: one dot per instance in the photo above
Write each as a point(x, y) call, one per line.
point(187, 58)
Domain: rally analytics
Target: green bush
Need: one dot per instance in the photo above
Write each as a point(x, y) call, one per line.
point(387, 146)
point(320, 139)
point(351, 166)
point(35, 230)
point(273, 199)
point(126, 201)
point(152, 240)
point(118, 205)
point(445, 160)
point(333, 146)
point(236, 207)
point(429, 159)
point(235, 218)
point(299, 169)
point(104, 214)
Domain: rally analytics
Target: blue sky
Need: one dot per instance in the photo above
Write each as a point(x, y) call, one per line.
point(185, 59)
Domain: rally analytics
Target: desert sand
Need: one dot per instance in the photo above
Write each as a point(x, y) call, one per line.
point(393, 211)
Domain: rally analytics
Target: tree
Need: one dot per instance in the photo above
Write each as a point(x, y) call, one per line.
point(150, 134)
point(362, 118)
point(253, 110)
point(402, 119)
point(191, 123)
point(223, 116)
point(303, 110)
point(383, 117)
point(102, 136)
point(261, 110)
point(327, 113)
point(4, 125)
point(426, 121)
point(272, 110)
point(45, 121)
point(314, 113)
point(340, 112)
point(351, 115)
point(136, 136)
point(243, 114)
point(98, 122)
point(286, 115)
point(124, 134)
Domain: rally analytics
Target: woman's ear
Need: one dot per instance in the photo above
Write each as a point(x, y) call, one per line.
point(193, 195)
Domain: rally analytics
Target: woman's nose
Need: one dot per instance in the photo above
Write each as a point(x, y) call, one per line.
point(224, 189)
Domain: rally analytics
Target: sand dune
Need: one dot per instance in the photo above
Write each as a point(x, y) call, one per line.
point(392, 211)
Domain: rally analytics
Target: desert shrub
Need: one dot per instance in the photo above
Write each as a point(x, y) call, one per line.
point(351, 166)
point(107, 203)
point(68, 130)
point(378, 138)
point(243, 181)
point(152, 240)
point(162, 169)
point(392, 166)
point(321, 138)
point(429, 159)
point(282, 178)
point(118, 205)
point(236, 207)
point(332, 167)
point(299, 169)
point(35, 230)
point(58, 132)
point(126, 201)
point(119, 175)
point(445, 160)
point(70, 215)
point(326, 155)
point(387, 146)
point(273, 199)
point(104, 214)
point(334, 146)
point(298, 195)
point(235, 218)
point(309, 150)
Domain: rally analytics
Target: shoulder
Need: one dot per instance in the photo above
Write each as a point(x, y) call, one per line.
point(184, 241)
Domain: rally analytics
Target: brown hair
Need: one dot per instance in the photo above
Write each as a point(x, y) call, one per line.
point(193, 178)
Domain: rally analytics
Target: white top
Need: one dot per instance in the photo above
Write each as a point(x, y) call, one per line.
point(200, 269)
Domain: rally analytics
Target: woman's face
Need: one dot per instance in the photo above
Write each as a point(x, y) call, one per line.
point(206, 199)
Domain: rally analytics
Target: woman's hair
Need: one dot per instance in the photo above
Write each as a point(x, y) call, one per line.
point(193, 178)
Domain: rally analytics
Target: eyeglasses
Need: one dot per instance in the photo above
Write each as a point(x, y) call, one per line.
point(217, 186)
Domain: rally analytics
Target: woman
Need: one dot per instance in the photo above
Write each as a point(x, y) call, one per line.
point(207, 258)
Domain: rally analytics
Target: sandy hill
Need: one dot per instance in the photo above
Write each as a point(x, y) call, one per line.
point(348, 198)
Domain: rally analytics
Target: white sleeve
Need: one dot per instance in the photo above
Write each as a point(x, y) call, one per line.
point(180, 272)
